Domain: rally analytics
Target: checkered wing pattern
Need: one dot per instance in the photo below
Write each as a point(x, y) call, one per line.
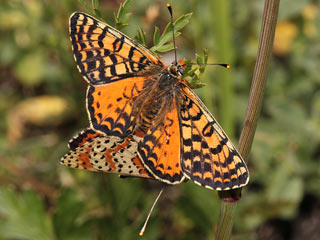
point(104, 55)
point(159, 150)
point(207, 155)
point(94, 151)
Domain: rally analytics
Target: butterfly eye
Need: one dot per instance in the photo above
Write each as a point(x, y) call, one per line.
point(180, 70)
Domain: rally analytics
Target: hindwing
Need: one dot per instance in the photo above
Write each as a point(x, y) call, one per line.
point(95, 151)
point(207, 155)
point(159, 150)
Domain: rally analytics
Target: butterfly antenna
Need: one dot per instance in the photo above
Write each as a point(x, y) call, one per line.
point(174, 39)
point(225, 65)
point(147, 220)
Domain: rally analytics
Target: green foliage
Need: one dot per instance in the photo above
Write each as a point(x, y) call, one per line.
point(86, 5)
point(23, 216)
point(69, 219)
point(41, 200)
point(161, 41)
point(93, 9)
point(123, 15)
point(140, 37)
point(195, 73)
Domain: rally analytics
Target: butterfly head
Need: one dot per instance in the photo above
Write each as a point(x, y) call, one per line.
point(178, 68)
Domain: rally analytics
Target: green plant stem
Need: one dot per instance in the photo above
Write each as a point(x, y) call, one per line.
point(227, 213)
point(221, 20)
point(259, 76)
point(230, 198)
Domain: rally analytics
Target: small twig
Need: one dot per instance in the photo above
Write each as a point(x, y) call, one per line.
point(230, 198)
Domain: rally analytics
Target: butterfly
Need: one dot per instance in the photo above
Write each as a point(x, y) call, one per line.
point(145, 120)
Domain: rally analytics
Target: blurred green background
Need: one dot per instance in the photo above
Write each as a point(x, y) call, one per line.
point(42, 105)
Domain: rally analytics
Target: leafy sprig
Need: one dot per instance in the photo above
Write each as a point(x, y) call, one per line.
point(123, 15)
point(194, 71)
point(163, 42)
point(94, 9)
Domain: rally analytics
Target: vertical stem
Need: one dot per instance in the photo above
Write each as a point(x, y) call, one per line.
point(227, 214)
point(221, 20)
point(259, 76)
point(230, 198)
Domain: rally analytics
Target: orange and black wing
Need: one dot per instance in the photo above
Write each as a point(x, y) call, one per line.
point(104, 55)
point(116, 68)
point(159, 150)
point(207, 155)
point(95, 151)
point(110, 106)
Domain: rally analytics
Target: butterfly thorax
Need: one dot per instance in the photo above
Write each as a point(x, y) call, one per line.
point(157, 98)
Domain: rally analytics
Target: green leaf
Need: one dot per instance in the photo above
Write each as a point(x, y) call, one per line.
point(156, 36)
point(206, 55)
point(180, 23)
point(189, 71)
point(94, 9)
point(86, 5)
point(167, 35)
point(202, 61)
point(199, 59)
point(123, 15)
point(141, 37)
point(194, 72)
point(162, 43)
point(123, 9)
point(120, 26)
point(95, 4)
point(23, 216)
point(165, 48)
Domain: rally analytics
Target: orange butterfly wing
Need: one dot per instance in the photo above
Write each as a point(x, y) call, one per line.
point(207, 156)
point(104, 55)
point(95, 151)
point(159, 150)
point(110, 106)
point(116, 68)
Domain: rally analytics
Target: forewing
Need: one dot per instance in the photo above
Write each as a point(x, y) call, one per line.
point(110, 106)
point(104, 55)
point(94, 151)
point(208, 156)
point(159, 150)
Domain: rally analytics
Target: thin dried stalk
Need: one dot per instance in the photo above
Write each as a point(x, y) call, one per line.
point(229, 199)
